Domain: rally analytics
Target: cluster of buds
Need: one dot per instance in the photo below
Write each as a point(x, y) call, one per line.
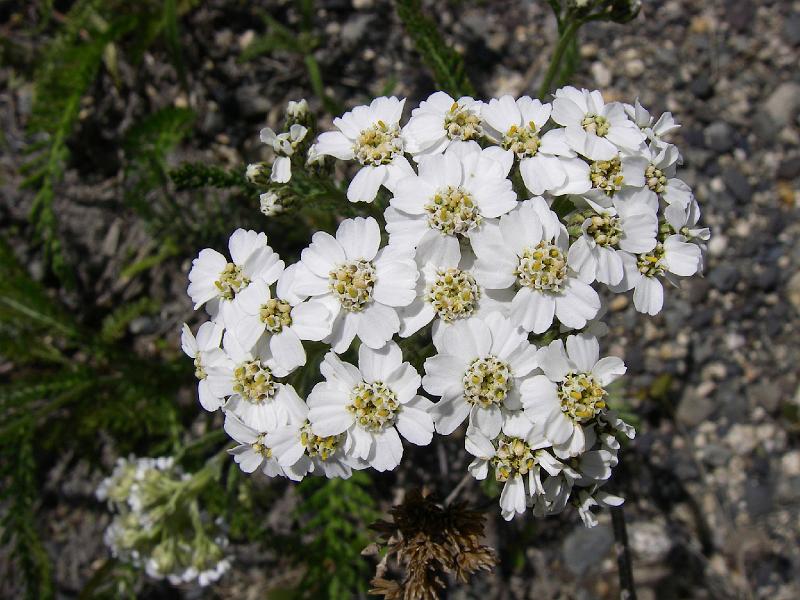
point(158, 525)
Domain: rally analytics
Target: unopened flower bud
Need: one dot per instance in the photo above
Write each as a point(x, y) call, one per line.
point(258, 173)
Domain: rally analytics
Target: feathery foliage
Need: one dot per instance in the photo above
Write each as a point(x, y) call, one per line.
point(20, 494)
point(446, 65)
point(337, 512)
point(90, 39)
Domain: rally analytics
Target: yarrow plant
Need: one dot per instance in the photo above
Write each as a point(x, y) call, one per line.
point(507, 220)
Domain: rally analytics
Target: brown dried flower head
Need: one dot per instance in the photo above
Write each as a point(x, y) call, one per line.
point(428, 542)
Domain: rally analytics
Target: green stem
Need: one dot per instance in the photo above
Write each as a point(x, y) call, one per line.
point(563, 42)
point(627, 589)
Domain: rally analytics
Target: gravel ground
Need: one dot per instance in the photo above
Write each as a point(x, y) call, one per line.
point(713, 478)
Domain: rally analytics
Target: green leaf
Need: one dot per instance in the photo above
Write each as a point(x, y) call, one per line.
point(446, 65)
point(19, 496)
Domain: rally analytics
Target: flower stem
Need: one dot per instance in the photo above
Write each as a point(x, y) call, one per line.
point(555, 63)
point(627, 590)
point(456, 490)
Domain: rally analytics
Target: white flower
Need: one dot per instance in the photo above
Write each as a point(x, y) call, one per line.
point(252, 452)
point(284, 145)
point(255, 172)
point(270, 204)
point(206, 353)
point(300, 452)
point(361, 285)
point(659, 176)
point(683, 220)
point(547, 163)
point(478, 372)
point(370, 134)
point(594, 129)
point(654, 129)
point(449, 199)
point(248, 378)
point(606, 234)
point(571, 392)
point(614, 177)
point(673, 256)
point(297, 109)
point(441, 121)
point(517, 458)
point(371, 404)
point(448, 292)
point(586, 501)
point(283, 320)
point(215, 282)
point(213, 573)
point(527, 252)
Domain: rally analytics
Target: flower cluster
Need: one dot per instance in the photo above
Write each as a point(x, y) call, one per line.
point(158, 525)
point(507, 221)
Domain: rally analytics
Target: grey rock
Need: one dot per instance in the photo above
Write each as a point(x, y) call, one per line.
point(716, 455)
point(697, 290)
point(737, 185)
point(766, 394)
point(766, 277)
point(789, 168)
point(143, 325)
point(353, 31)
point(791, 29)
point(758, 496)
point(783, 103)
point(702, 87)
point(733, 402)
point(724, 277)
point(719, 136)
point(585, 548)
point(788, 489)
point(765, 128)
point(740, 14)
point(693, 409)
point(252, 102)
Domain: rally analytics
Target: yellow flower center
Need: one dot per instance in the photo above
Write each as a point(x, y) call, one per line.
point(605, 229)
point(522, 141)
point(542, 267)
point(656, 180)
point(452, 211)
point(650, 264)
point(253, 381)
point(374, 405)
point(352, 283)
point(378, 144)
point(596, 124)
point(261, 448)
point(513, 457)
point(460, 123)
point(323, 447)
point(276, 314)
point(231, 281)
point(606, 175)
point(199, 371)
point(453, 294)
point(581, 396)
point(487, 381)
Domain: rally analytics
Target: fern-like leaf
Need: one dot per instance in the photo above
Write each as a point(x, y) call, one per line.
point(445, 63)
point(20, 495)
point(337, 512)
